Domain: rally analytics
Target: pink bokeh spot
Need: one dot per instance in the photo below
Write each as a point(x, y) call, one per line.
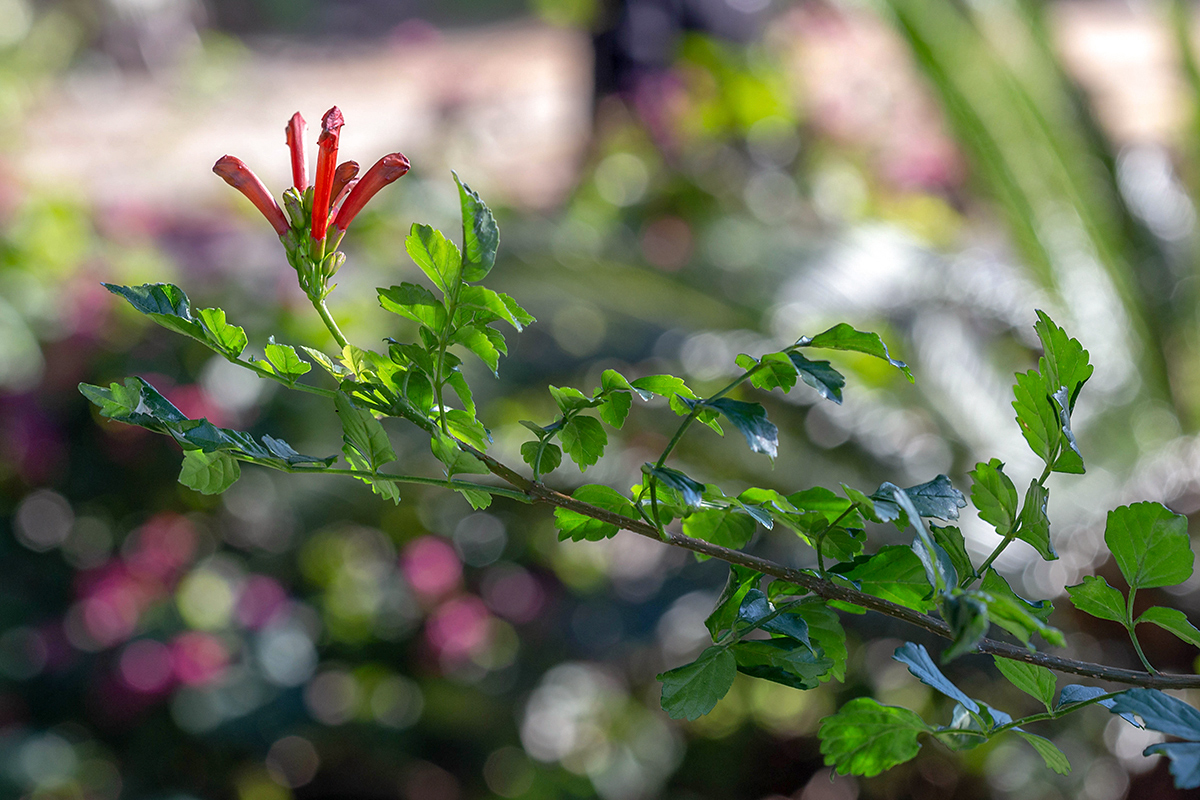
point(458, 628)
point(145, 666)
point(164, 545)
point(513, 594)
point(431, 567)
point(261, 599)
point(198, 658)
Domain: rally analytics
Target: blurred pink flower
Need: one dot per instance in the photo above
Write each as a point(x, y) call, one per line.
point(459, 628)
point(431, 567)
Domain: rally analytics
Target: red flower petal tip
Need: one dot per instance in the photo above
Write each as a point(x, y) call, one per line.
point(386, 170)
point(295, 143)
point(239, 176)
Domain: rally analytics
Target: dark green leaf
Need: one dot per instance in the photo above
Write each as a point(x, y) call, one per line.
point(691, 491)
point(1049, 752)
point(951, 540)
point(723, 526)
point(1065, 363)
point(967, 617)
point(1150, 544)
point(584, 440)
point(456, 461)
point(825, 631)
point(164, 303)
point(819, 375)
point(1185, 761)
point(844, 337)
point(1160, 712)
point(751, 419)
point(225, 338)
point(894, 573)
point(740, 581)
point(866, 738)
point(1173, 620)
point(917, 659)
point(578, 527)
point(1094, 596)
point(994, 496)
point(136, 403)
point(756, 611)
point(1029, 678)
point(1016, 614)
point(481, 236)
point(551, 456)
point(691, 691)
point(208, 473)
point(1069, 459)
point(936, 498)
point(436, 255)
point(416, 303)
point(1033, 525)
point(778, 371)
point(1036, 415)
point(366, 444)
point(284, 361)
point(782, 661)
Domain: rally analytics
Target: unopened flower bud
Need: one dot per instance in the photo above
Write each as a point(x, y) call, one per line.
point(295, 143)
point(386, 170)
point(331, 126)
point(239, 176)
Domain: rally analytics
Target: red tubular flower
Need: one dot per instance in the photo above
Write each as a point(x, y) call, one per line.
point(342, 176)
point(239, 176)
point(387, 169)
point(295, 143)
point(331, 127)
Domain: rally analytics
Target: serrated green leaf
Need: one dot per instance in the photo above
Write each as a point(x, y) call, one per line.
point(1069, 459)
point(551, 456)
point(1014, 613)
point(1065, 363)
point(777, 372)
point(579, 527)
point(326, 363)
point(1048, 750)
point(994, 495)
point(569, 399)
point(458, 382)
point(825, 631)
point(951, 540)
point(723, 526)
point(485, 299)
point(455, 460)
point(691, 691)
point(366, 444)
point(584, 440)
point(1029, 678)
point(844, 337)
point(1173, 620)
point(519, 314)
point(1150, 544)
point(894, 573)
point(1033, 525)
point(436, 255)
point(691, 491)
point(1036, 416)
point(740, 581)
point(917, 659)
point(416, 303)
point(664, 385)
point(478, 498)
point(165, 303)
point(820, 375)
point(481, 235)
point(613, 381)
point(781, 661)
point(284, 361)
point(751, 419)
point(223, 337)
point(968, 619)
point(208, 473)
point(1094, 596)
point(466, 428)
point(936, 498)
point(615, 408)
point(866, 738)
point(477, 340)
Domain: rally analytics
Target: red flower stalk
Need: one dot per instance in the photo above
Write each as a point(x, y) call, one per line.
point(386, 170)
point(342, 176)
point(331, 127)
point(239, 176)
point(295, 143)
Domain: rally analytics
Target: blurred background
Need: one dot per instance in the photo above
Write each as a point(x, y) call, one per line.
point(677, 182)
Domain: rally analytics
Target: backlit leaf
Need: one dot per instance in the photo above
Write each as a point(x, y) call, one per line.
point(845, 337)
point(416, 303)
point(1048, 750)
point(691, 691)
point(228, 339)
point(866, 738)
point(584, 440)
point(547, 462)
point(1150, 544)
point(1029, 678)
point(722, 526)
point(1094, 596)
point(285, 362)
point(436, 255)
point(208, 473)
point(579, 527)
point(1173, 620)
point(481, 235)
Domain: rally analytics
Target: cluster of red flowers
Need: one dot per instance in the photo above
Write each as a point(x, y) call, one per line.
point(336, 189)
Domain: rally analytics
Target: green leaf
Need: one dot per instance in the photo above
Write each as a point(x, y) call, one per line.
point(1094, 596)
point(479, 342)
point(579, 527)
point(456, 461)
point(284, 361)
point(1069, 459)
point(751, 419)
point(436, 255)
point(756, 611)
point(1065, 363)
point(894, 573)
point(951, 540)
point(225, 338)
point(691, 691)
point(1150, 544)
point(691, 491)
point(1036, 415)
point(1173, 620)
point(844, 337)
point(825, 631)
point(326, 363)
point(663, 385)
point(994, 495)
point(1033, 525)
point(967, 616)
point(866, 738)
point(1048, 750)
point(936, 498)
point(481, 236)
point(917, 659)
point(551, 456)
point(615, 408)
point(466, 428)
point(723, 526)
point(1016, 614)
point(781, 661)
point(584, 440)
point(1029, 678)
point(569, 399)
point(416, 303)
point(478, 498)
point(820, 375)
point(1161, 712)
point(613, 381)
point(778, 371)
point(519, 314)
point(366, 444)
point(164, 303)
point(740, 581)
point(208, 473)
point(456, 381)
point(479, 297)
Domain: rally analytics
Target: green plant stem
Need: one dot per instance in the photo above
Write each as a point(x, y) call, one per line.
point(499, 491)
point(330, 325)
point(1130, 626)
point(256, 369)
point(1055, 714)
point(695, 412)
